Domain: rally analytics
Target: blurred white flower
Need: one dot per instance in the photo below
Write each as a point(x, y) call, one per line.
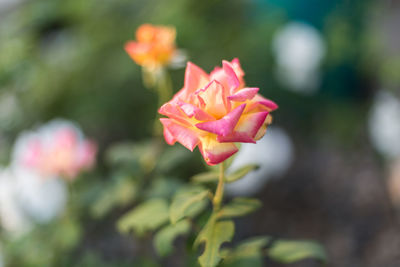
point(12, 217)
point(273, 153)
point(31, 188)
point(58, 148)
point(299, 49)
point(26, 197)
point(41, 198)
point(7, 4)
point(384, 124)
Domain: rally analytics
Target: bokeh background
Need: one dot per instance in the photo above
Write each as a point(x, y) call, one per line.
point(330, 163)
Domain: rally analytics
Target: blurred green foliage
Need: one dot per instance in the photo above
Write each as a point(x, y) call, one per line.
point(65, 59)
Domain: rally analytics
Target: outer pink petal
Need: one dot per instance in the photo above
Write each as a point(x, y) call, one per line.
point(182, 134)
point(169, 138)
point(225, 125)
point(226, 76)
point(237, 137)
point(237, 68)
point(271, 105)
point(246, 129)
point(214, 152)
point(263, 128)
point(171, 110)
point(244, 94)
point(259, 104)
point(231, 77)
point(195, 78)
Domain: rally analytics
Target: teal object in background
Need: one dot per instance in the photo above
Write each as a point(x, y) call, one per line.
point(311, 11)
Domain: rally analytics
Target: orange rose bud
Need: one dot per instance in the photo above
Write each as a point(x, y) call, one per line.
point(154, 46)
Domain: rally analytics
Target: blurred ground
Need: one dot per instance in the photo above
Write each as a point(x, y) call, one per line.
point(338, 198)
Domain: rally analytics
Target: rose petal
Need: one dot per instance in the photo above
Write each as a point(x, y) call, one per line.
point(139, 52)
point(172, 111)
point(212, 99)
point(226, 76)
point(145, 33)
point(195, 78)
point(169, 138)
point(271, 105)
point(214, 152)
point(246, 129)
point(231, 77)
point(261, 132)
point(225, 125)
point(244, 94)
point(236, 137)
point(259, 104)
point(193, 111)
point(180, 133)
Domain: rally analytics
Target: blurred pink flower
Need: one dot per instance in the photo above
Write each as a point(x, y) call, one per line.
point(216, 110)
point(56, 149)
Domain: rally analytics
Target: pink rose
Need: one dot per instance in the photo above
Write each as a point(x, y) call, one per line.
point(55, 149)
point(214, 111)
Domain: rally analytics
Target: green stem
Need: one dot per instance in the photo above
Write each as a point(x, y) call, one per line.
point(219, 193)
point(163, 87)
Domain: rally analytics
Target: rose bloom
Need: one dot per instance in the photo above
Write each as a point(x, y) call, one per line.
point(154, 46)
point(56, 149)
point(216, 110)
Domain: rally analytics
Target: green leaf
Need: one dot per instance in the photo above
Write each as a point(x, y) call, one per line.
point(118, 193)
point(128, 153)
point(247, 253)
point(188, 201)
point(67, 233)
point(205, 177)
point(164, 238)
point(213, 175)
point(252, 246)
point(122, 153)
point(172, 157)
point(163, 187)
point(239, 207)
point(214, 234)
point(240, 173)
point(147, 216)
point(287, 251)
